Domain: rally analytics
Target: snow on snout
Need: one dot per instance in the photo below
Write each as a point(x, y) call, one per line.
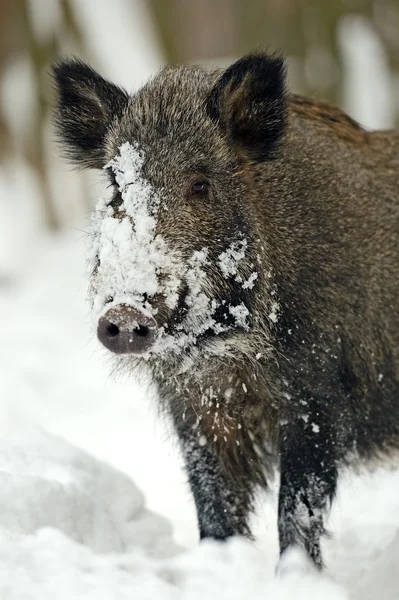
point(131, 254)
point(132, 262)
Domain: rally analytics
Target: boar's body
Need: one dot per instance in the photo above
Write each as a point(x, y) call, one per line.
point(299, 366)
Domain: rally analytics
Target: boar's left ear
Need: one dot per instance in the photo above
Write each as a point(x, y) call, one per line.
point(249, 103)
point(86, 106)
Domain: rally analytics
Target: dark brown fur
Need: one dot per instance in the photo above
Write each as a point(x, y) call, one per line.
point(313, 385)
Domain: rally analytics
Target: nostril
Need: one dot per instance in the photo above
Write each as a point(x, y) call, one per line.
point(142, 331)
point(112, 330)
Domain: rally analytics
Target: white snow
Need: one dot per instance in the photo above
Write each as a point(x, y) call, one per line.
point(240, 314)
point(229, 259)
point(250, 282)
point(131, 255)
point(273, 315)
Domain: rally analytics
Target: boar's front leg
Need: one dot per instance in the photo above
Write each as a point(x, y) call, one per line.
point(308, 480)
point(223, 501)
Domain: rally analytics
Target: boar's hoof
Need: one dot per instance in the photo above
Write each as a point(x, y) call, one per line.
point(126, 330)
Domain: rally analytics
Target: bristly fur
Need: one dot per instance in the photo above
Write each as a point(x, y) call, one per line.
point(249, 103)
point(82, 90)
point(311, 382)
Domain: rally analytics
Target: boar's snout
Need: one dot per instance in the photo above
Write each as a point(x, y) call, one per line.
point(126, 330)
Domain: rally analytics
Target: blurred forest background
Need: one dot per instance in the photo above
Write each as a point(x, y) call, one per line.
point(346, 51)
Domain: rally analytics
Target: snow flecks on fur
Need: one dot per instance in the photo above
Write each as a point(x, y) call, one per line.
point(215, 418)
point(240, 314)
point(250, 282)
point(273, 315)
point(229, 263)
point(133, 263)
point(230, 258)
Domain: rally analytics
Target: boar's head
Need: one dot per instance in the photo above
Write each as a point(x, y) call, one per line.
point(175, 260)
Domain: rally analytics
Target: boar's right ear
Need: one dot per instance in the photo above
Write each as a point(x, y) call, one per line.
point(249, 103)
point(86, 106)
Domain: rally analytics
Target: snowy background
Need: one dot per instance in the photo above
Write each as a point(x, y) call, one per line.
point(93, 501)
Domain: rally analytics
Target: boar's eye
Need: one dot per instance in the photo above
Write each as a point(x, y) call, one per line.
point(198, 187)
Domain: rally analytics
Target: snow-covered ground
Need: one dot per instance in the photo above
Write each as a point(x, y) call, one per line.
point(75, 445)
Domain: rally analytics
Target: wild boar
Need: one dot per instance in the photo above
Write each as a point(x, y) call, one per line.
point(249, 259)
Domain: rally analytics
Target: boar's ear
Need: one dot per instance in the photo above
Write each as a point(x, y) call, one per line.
point(86, 106)
point(249, 103)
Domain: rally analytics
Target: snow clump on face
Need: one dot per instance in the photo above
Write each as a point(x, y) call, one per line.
point(133, 263)
point(240, 313)
point(129, 253)
point(229, 264)
point(228, 260)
